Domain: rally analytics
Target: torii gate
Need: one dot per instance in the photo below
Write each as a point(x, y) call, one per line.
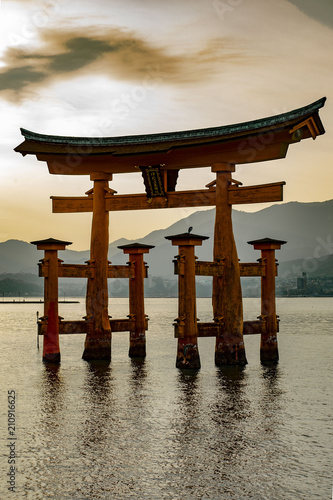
point(160, 157)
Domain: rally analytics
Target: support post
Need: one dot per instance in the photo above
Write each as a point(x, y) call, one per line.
point(137, 348)
point(268, 344)
point(186, 326)
point(227, 292)
point(51, 347)
point(98, 339)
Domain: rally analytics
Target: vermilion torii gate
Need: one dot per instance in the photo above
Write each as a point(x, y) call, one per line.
point(160, 157)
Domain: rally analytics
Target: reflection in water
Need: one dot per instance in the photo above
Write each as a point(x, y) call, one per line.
point(182, 441)
point(97, 396)
point(188, 405)
point(230, 411)
point(51, 379)
point(44, 442)
point(271, 374)
point(92, 438)
point(231, 402)
point(208, 439)
point(52, 394)
point(142, 429)
point(115, 430)
point(188, 383)
point(98, 377)
point(231, 378)
point(137, 394)
point(270, 405)
point(139, 374)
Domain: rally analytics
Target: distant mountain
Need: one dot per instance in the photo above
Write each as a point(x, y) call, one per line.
point(317, 268)
point(307, 228)
point(20, 284)
point(18, 256)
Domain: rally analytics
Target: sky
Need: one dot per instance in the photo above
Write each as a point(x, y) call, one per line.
point(110, 68)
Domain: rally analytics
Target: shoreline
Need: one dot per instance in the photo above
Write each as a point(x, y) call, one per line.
point(37, 302)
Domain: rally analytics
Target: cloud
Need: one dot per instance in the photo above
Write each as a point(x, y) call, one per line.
point(16, 78)
point(321, 10)
point(117, 54)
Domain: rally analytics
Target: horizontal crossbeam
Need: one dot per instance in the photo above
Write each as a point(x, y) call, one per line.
point(253, 327)
point(252, 269)
point(67, 270)
point(263, 193)
point(175, 199)
point(87, 271)
point(203, 268)
point(210, 329)
point(122, 272)
point(216, 329)
point(81, 326)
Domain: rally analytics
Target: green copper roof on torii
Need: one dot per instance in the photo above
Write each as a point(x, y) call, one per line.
point(238, 128)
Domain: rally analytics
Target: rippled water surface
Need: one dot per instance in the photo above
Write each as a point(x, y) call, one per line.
point(145, 430)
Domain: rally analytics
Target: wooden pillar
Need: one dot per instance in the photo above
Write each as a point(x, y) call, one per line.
point(227, 293)
point(137, 348)
point(268, 344)
point(187, 348)
point(98, 339)
point(51, 347)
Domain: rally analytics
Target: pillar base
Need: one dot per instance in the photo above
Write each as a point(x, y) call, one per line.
point(188, 356)
point(52, 358)
point(230, 355)
point(137, 347)
point(269, 352)
point(137, 350)
point(97, 349)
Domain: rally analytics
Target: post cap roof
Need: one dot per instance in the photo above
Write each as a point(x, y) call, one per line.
point(267, 240)
point(135, 245)
point(50, 241)
point(186, 236)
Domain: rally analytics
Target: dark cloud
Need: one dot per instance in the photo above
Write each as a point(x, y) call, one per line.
point(321, 10)
point(16, 78)
point(78, 53)
point(117, 54)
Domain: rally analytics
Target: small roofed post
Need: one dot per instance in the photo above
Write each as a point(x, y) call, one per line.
point(186, 323)
point(51, 347)
point(268, 345)
point(137, 348)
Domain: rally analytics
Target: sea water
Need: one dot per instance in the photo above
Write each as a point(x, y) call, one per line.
point(146, 430)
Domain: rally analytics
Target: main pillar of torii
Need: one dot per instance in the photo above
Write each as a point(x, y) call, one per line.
point(98, 339)
point(227, 292)
point(160, 157)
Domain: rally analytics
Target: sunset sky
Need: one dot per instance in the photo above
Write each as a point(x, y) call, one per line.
point(109, 68)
